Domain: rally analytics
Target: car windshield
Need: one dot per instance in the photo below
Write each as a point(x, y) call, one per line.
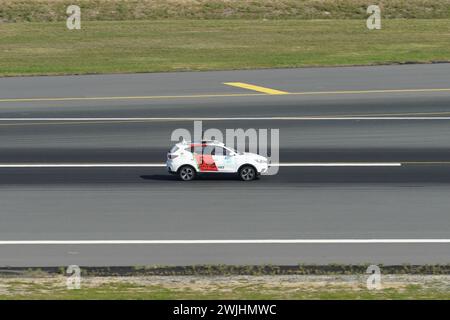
point(235, 151)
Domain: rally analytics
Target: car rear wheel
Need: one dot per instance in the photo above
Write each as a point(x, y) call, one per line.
point(186, 173)
point(247, 173)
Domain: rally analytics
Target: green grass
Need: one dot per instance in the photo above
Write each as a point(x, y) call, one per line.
point(49, 290)
point(183, 45)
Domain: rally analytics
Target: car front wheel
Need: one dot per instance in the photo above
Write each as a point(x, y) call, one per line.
point(247, 173)
point(186, 173)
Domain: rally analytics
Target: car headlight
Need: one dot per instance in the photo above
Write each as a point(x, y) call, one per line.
point(261, 160)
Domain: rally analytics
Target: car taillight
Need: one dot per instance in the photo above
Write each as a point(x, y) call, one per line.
point(171, 156)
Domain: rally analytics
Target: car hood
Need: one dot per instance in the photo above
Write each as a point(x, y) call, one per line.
point(254, 156)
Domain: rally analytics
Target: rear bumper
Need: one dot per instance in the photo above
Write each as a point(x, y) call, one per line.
point(170, 167)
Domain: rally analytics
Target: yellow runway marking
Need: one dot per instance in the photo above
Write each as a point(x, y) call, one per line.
point(133, 97)
point(266, 92)
point(254, 88)
point(370, 91)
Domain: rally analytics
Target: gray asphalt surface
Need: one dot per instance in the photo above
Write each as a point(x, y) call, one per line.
point(299, 203)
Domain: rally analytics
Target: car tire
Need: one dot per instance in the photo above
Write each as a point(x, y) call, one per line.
point(247, 173)
point(186, 173)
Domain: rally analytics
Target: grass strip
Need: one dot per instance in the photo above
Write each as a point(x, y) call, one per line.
point(186, 45)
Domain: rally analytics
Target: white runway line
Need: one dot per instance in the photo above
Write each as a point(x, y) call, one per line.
point(241, 241)
point(338, 164)
point(159, 165)
point(305, 118)
point(81, 165)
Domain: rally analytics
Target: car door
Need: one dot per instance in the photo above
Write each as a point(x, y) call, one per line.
point(223, 159)
point(205, 160)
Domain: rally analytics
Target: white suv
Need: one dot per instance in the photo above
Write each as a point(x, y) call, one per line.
point(187, 159)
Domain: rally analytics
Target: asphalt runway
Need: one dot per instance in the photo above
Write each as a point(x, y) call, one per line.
point(299, 203)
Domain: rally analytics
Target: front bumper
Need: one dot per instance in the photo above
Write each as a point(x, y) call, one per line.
point(262, 168)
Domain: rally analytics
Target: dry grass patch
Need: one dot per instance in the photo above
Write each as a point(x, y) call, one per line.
point(228, 287)
point(54, 10)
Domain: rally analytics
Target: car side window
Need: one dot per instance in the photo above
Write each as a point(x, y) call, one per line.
point(219, 151)
point(208, 150)
point(195, 149)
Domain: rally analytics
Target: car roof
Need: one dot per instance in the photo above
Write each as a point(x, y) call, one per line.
point(202, 143)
